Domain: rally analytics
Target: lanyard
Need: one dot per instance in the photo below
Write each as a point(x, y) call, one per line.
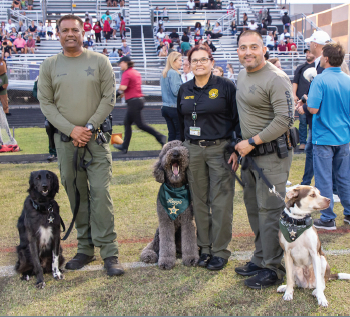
point(194, 113)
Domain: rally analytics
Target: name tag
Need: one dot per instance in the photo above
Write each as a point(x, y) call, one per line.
point(195, 131)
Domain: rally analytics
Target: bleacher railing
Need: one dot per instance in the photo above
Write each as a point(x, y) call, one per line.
point(182, 16)
point(17, 16)
point(307, 26)
point(43, 5)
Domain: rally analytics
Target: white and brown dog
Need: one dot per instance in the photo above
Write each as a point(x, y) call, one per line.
point(306, 264)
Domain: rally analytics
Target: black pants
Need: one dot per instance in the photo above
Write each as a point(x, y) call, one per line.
point(98, 37)
point(172, 120)
point(134, 115)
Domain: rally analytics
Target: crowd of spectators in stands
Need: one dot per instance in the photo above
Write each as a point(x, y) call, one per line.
point(18, 39)
point(115, 3)
point(22, 5)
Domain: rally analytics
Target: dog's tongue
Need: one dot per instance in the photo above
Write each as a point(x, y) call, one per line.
point(176, 169)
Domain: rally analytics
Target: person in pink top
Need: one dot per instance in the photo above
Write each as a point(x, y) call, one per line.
point(30, 45)
point(19, 44)
point(167, 40)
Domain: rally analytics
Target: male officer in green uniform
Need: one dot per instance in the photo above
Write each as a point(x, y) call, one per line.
point(76, 88)
point(265, 107)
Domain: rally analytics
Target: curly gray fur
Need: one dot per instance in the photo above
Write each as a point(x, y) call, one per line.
point(172, 236)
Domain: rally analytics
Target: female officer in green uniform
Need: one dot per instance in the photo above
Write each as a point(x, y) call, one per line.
point(208, 116)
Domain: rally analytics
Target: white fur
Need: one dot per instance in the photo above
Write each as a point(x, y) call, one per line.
point(306, 265)
point(55, 270)
point(343, 276)
point(45, 236)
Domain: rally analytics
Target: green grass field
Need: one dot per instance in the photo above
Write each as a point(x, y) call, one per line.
point(150, 291)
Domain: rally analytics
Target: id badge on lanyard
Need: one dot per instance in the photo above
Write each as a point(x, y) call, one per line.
point(195, 131)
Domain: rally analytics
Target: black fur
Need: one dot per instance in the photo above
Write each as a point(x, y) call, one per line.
point(35, 258)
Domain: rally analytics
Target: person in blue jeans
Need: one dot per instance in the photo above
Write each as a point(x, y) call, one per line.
point(329, 101)
point(301, 87)
point(170, 83)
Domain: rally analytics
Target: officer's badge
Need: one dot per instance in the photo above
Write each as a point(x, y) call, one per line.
point(213, 93)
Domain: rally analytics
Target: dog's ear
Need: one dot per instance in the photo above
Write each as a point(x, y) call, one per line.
point(292, 196)
point(31, 181)
point(158, 172)
point(55, 183)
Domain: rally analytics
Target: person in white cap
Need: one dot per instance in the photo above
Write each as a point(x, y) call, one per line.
point(317, 41)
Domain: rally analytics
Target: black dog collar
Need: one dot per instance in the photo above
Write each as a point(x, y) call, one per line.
point(42, 207)
point(306, 221)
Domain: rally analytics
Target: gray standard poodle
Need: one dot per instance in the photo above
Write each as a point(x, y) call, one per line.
point(177, 230)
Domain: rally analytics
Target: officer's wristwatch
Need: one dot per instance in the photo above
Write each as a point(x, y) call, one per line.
point(251, 142)
point(90, 127)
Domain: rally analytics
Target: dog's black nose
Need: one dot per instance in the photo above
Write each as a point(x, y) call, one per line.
point(44, 186)
point(176, 154)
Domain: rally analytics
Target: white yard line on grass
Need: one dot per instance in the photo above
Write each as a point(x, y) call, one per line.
point(8, 270)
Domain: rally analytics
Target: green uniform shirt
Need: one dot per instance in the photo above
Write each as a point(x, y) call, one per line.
point(76, 90)
point(265, 103)
point(3, 81)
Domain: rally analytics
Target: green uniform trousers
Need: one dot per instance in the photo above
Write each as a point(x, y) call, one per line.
point(95, 219)
point(264, 208)
point(212, 191)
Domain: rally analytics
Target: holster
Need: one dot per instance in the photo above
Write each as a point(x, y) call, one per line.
point(50, 130)
point(294, 136)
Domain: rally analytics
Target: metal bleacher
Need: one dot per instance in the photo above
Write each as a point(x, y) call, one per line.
point(140, 34)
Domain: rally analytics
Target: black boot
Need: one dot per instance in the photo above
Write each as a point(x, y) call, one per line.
point(249, 269)
point(216, 263)
point(265, 278)
point(204, 260)
point(79, 261)
point(113, 266)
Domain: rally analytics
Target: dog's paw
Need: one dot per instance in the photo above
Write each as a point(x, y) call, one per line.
point(281, 289)
point(314, 292)
point(166, 263)
point(40, 285)
point(190, 260)
point(288, 296)
point(58, 275)
point(149, 257)
point(322, 301)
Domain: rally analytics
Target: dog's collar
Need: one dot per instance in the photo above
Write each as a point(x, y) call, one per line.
point(306, 221)
point(42, 207)
point(292, 228)
point(45, 207)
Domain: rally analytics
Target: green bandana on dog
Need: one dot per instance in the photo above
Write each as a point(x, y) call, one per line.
point(292, 232)
point(174, 200)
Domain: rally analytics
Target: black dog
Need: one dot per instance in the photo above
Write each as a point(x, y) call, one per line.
point(39, 250)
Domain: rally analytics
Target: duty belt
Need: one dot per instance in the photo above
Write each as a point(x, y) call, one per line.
point(206, 143)
point(264, 149)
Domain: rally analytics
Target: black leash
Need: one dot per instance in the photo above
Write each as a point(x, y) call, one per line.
point(77, 194)
point(249, 162)
point(233, 172)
